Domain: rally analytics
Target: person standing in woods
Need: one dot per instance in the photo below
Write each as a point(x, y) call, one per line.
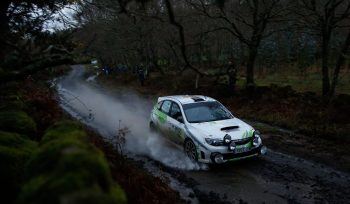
point(141, 74)
point(232, 76)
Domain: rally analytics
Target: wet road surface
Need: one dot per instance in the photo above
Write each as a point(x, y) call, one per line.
point(274, 178)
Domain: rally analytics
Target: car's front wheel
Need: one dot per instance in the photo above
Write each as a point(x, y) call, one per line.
point(190, 149)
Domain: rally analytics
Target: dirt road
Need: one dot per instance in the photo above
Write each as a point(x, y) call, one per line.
point(274, 178)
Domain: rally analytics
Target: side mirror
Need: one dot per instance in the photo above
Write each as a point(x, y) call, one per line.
point(180, 119)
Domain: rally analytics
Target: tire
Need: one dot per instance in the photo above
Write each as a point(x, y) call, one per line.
point(190, 149)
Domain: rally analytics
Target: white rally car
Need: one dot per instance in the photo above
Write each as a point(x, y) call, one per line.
point(208, 132)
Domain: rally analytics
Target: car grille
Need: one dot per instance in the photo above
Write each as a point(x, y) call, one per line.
point(243, 141)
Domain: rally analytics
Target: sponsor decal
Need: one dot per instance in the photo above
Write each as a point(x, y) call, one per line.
point(162, 117)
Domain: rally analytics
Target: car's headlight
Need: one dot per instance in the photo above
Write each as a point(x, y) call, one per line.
point(256, 133)
point(214, 142)
point(256, 139)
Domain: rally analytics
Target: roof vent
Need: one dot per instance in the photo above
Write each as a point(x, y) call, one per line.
point(197, 99)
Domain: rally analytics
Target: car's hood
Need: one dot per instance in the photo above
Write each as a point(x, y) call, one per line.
point(236, 128)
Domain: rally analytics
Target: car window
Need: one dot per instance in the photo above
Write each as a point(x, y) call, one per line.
point(175, 111)
point(205, 112)
point(159, 105)
point(166, 107)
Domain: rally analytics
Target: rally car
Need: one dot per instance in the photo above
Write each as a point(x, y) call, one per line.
point(208, 132)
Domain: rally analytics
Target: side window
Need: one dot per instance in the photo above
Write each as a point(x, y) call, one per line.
point(175, 111)
point(166, 107)
point(159, 105)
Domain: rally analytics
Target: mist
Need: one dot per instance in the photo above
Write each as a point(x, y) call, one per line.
point(106, 111)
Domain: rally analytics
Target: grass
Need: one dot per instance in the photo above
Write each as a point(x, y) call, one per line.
point(266, 129)
point(301, 83)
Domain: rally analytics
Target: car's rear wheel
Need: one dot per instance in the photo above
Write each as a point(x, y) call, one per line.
point(190, 149)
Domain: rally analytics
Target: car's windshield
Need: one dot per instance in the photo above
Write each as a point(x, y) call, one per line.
point(205, 112)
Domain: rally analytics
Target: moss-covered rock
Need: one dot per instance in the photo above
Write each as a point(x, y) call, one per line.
point(70, 156)
point(17, 121)
point(43, 190)
point(15, 151)
point(90, 163)
point(13, 105)
point(47, 157)
point(68, 169)
point(64, 130)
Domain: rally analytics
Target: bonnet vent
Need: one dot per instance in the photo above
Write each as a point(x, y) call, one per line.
point(229, 128)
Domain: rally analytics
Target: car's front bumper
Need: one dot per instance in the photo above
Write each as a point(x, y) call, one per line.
point(209, 156)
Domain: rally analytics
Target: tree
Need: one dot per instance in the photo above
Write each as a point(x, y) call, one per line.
point(324, 18)
point(249, 21)
point(22, 18)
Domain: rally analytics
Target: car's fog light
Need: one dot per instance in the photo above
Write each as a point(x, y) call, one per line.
point(232, 146)
point(218, 158)
point(263, 150)
point(227, 139)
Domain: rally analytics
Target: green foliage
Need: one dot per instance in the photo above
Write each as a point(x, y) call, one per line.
point(15, 151)
point(12, 103)
point(12, 106)
point(64, 130)
point(45, 160)
point(46, 190)
point(68, 169)
point(17, 121)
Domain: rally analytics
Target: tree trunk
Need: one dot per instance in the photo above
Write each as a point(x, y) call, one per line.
point(197, 81)
point(250, 66)
point(325, 56)
point(340, 63)
point(232, 79)
point(4, 5)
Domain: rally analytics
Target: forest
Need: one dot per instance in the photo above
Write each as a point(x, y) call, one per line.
point(70, 72)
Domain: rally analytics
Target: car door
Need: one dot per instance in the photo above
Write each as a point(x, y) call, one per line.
point(162, 117)
point(176, 124)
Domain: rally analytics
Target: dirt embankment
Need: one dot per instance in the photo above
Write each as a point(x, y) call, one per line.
point(317, 129)
point(45, 159)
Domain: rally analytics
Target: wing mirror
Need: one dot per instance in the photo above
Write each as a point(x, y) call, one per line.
point(180, 119)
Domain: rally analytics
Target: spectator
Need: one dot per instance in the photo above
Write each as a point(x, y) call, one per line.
point(141, 74)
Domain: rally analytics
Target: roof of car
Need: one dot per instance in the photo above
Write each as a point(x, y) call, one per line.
point(186, 99)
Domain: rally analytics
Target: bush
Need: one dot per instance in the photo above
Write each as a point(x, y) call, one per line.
point(15, 151)
point(67, 169)
point(17, 121)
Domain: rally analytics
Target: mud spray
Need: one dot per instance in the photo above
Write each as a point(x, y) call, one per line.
point(103, 111)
